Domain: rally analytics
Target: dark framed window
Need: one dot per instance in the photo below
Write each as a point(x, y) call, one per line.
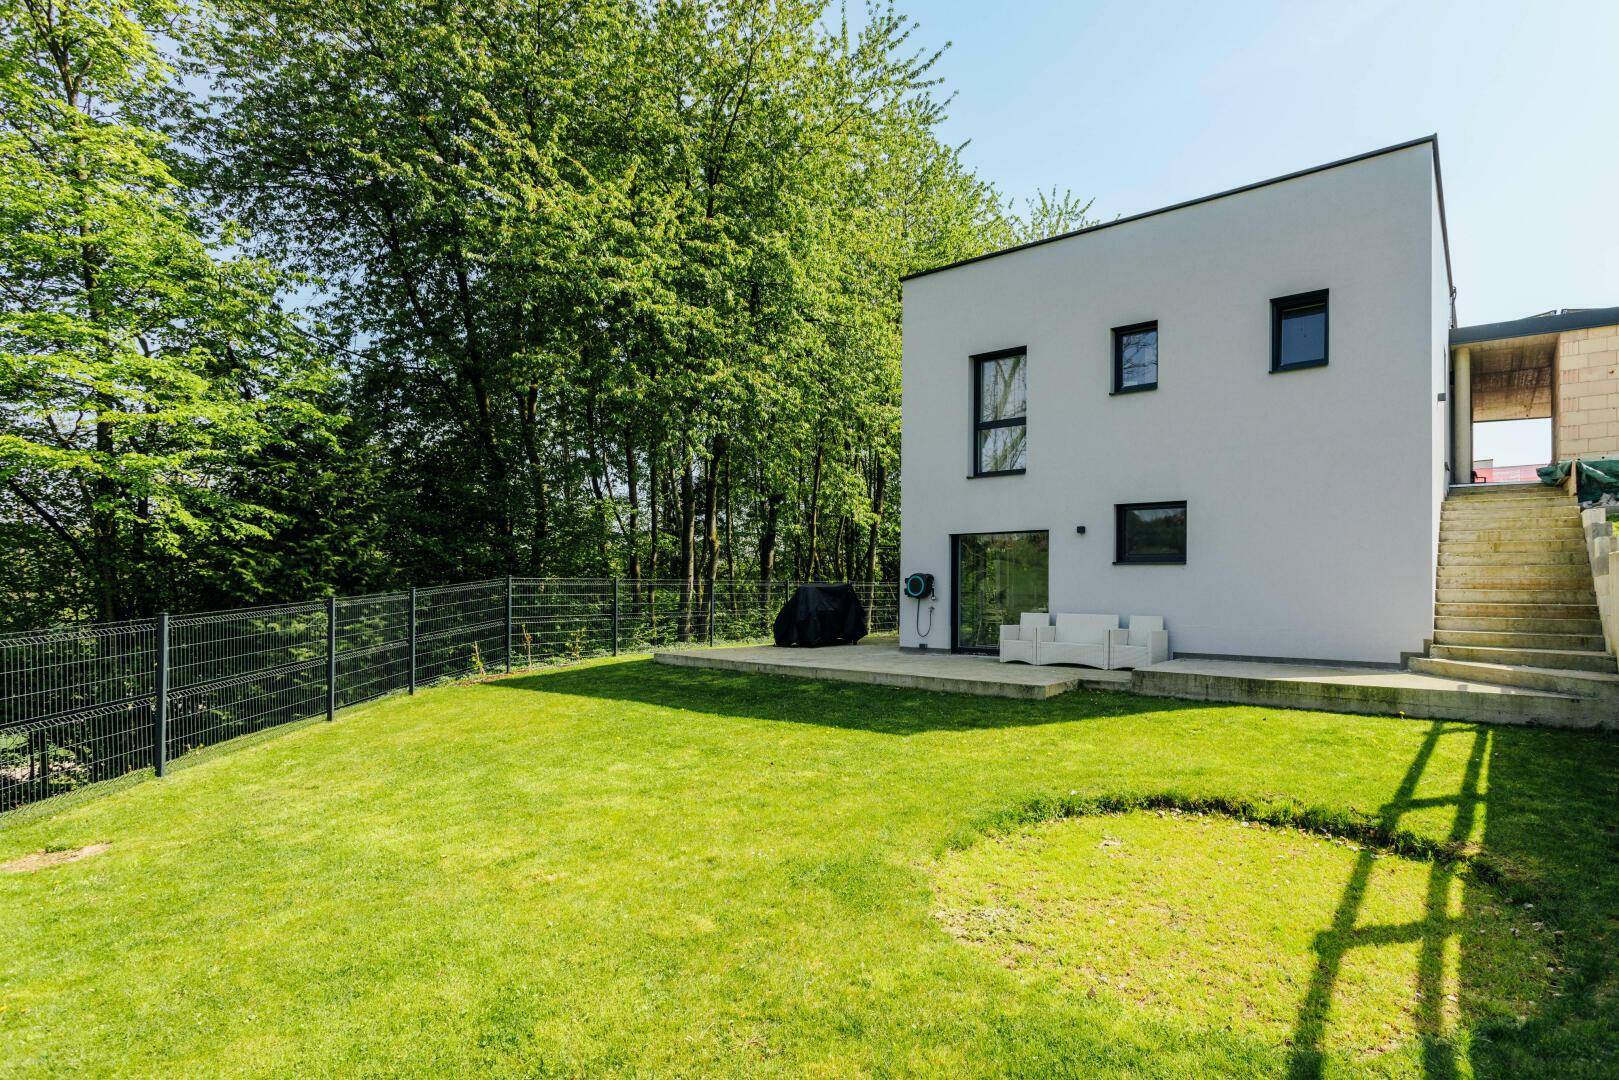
point(996, 577)
point(1150, 533)
point(1000, 412)
point(1298, 331)
point(1135, 358)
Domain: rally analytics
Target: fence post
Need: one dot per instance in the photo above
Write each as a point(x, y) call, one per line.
point(711, 614)
point(411, 626)
point(331, 658)
point(160, 709)
point(615, 616)
point(508, 624)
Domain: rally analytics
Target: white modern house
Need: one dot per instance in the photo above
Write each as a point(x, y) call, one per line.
point(1231, 412)
point(1178, 450)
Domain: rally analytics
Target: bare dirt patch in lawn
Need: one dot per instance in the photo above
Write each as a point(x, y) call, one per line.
point(1312, 941)
point(40, 860)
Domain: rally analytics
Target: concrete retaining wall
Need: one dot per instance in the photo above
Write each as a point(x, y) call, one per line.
point(1603, 546)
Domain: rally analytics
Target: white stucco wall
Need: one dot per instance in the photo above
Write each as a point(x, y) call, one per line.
point(1312, 495)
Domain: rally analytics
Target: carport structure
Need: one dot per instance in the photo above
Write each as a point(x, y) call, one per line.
point(1561, 366)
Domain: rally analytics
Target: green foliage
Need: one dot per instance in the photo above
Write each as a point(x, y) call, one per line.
point(139, 370)
point(610, 289)
point(627, 276)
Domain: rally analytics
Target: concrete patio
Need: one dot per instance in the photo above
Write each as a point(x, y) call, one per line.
point(1327, 687)
point(879, 661)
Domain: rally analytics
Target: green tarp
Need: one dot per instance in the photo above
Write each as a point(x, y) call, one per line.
point(1596, 478)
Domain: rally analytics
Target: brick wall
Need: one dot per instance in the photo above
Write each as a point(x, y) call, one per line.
point(1588, 393)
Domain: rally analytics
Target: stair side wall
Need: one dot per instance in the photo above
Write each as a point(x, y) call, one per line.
point(1603, 547)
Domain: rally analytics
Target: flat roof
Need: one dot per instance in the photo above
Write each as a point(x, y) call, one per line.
point(1550, 322)
point(1432, 140)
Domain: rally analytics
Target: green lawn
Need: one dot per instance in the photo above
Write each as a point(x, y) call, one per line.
point(624, 868)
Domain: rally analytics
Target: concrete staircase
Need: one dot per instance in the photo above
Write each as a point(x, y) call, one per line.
point(1514, 601)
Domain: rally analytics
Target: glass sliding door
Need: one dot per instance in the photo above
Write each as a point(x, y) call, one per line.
point(998, 576)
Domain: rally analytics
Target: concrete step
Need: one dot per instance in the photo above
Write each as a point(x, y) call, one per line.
point(1568, 545)
point(1520, 639)
point(1543, 556)
point(1463, 491)
point(1559, 659)
point(1481, 504)
point(1514, 502)
point(1561, 517)
point(1362, 690)
point(1494, 533)
point(1584, 611)
point(1601, 691)
point(1520, 624)
point(1550, 576)
point(1472, 594)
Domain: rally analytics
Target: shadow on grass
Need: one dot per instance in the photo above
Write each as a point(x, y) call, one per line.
point(1541, 816)
point(884, 710)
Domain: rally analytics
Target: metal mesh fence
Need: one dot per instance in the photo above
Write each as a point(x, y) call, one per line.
point(83, 704)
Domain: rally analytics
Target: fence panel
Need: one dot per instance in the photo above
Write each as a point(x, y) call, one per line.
point(75, 707)
point(373, 646)
point(236, 672)
point(556, 620)
point(460, 630)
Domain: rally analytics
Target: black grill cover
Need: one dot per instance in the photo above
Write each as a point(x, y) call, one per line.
point(821, 615)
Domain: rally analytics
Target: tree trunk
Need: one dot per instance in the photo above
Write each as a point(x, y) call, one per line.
point(730, 533)
point(814, 516)
point(632, 489)
point(711, 519)
point(880, 488)
point(688, 543)
point(767, 536)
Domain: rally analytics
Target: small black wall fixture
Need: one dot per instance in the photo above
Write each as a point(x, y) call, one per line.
point(1080, 529)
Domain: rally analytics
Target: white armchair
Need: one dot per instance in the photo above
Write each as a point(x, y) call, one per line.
point(1079, 639)
point(1021, 641)
point(1146, 642)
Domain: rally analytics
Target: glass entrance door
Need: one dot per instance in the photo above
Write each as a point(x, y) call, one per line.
point(998, 577)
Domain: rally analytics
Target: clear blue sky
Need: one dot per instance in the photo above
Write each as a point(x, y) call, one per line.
point(1143, 104)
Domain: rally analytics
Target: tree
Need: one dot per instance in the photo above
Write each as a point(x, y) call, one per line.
point(137, 369)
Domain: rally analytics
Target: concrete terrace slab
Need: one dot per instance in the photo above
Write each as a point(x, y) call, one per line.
point(883, 664)
point(1382, 691)
point(1322, 687)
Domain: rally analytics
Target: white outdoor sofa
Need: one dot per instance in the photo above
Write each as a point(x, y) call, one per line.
point(1023, 640)
point(1145, 642)
point(1079, 639)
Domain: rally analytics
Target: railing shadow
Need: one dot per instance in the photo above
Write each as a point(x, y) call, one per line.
point(1431, 930)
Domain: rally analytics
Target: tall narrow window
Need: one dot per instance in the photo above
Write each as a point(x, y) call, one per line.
point(1000, 411)
point(1135, 358)
point(1298, 331)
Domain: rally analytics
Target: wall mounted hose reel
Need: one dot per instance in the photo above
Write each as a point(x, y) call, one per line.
point(919, 587)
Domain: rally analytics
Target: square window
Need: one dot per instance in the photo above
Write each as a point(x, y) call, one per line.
point(1000, 412)
point(1150, 533)
point(1135, 358)
point(1298, 331)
